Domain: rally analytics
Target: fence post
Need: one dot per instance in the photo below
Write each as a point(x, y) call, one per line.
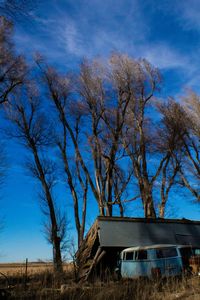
point(26, 272)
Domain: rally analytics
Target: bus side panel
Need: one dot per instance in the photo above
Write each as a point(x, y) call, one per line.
point(168, 266)
point(135, 269)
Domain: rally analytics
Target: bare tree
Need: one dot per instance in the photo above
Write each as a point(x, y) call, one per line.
point(12, 67)
point(106, 123)
point(139, 133)
point(59, 89)
point(171, 133)
point(62, 228)
point(113, 106)
point(77, 182)
point(190, 171)
point(180, 137)
point(105, 111)
point(33, 130)
point(99, 130)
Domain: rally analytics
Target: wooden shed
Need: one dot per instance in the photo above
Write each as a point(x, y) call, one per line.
point(108, 236)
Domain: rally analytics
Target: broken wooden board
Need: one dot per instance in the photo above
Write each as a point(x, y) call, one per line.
point(85, 256)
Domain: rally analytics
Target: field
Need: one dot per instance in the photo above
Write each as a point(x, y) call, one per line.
point(19, 269)
point(41, 284)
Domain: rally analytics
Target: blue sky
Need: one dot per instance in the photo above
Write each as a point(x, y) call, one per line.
point(167, 33)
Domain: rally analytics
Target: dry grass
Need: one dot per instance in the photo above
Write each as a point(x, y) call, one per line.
point(42, 285)
point(135, 290)
point(15, 269)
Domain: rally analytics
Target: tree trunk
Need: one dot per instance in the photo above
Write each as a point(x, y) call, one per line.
point(57, 259)
point(162, 210)
point(149, 209)
point(121, 210)
point(147, 200)
point(101, 211)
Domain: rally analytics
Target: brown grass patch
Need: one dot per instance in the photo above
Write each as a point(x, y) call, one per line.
point(42, 284)
point(18, 269)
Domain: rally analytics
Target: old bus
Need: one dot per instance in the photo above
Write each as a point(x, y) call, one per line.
point(157, 261)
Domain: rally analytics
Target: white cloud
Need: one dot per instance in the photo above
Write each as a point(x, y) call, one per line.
point(96, 29)
point(164, 56)
point(71, 38)
point(188, 13)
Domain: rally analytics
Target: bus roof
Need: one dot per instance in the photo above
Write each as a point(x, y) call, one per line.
point(154, 247)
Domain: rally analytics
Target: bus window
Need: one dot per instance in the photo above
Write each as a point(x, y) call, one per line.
point(140, 255)
point(166, 252)
point(129, 256)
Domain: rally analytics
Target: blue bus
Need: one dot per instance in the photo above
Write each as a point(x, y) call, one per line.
point(155, 261)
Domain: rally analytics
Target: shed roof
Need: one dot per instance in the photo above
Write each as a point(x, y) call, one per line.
point(130, 232)
point(111, 234)
point(147, 220)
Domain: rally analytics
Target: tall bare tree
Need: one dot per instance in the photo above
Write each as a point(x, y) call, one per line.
point(32, 128)
point(59, 89)
point(77, 182)
point(171, 133)
point(106, 123)
point(12, 67)
point(113, 102)
point(142, 82)
point(101, 134)
point(105, 110)
point(191, 174)
point(183, 119)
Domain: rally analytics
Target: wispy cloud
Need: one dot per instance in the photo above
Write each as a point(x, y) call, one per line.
point(165, 56)
point(188, 13)
point(95, 28)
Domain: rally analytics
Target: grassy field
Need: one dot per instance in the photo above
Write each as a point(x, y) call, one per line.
point(15, 269)
point(41, 284)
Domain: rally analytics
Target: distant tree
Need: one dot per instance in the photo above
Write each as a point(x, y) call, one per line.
point(31, 127)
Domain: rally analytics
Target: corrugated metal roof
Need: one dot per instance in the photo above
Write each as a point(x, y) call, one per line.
point(129, 232)
point(147, 220)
